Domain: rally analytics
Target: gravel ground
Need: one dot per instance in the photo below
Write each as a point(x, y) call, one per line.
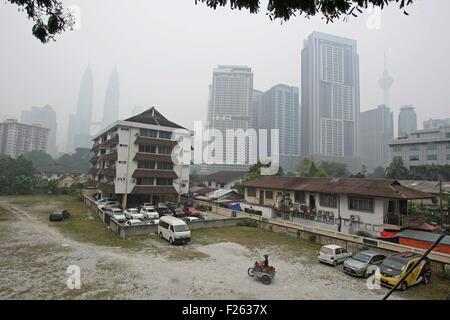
point(34, 258)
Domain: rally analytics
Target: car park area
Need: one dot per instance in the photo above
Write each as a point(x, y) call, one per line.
point(212, 266)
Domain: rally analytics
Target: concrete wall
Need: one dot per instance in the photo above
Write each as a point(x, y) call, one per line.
point(129, 231)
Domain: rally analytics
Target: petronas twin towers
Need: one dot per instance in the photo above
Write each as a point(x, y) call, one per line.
point(80, 123)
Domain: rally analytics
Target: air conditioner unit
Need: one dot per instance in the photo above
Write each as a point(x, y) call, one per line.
point(355, 218)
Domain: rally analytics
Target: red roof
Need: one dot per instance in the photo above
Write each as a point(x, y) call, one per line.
point(383, 188)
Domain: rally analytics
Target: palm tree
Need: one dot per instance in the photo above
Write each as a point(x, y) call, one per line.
point(397, 170)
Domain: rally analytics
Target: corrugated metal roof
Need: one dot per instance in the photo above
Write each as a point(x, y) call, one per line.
point(423, 236)
point(383, 188)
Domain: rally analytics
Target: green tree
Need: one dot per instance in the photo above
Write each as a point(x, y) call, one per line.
point(397, 170)
point(330, 9)
point(335, 169)
point(16, 175)
point(39, 159)
point(378, 173)
point(309, 168)
point(51, 18)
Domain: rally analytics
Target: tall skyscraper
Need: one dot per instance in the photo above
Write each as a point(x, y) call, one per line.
point(386, 82)
point(230, 107)
point(280, 110)
point(19, 138)
point(111, 108)
point(407, 120)
point(376, 132)
point(257, 101)
point(79, 129)
point(330, 99)
point(46, 117)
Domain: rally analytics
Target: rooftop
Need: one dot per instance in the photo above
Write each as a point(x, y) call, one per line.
point(223, 176)
point(154, 117)
point(382, 188)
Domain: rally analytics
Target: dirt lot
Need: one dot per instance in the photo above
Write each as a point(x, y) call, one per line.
point(35, 255)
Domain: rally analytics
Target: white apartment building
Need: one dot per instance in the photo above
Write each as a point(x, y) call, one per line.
point(230, 107)
point(19, 138)
point(145, 158)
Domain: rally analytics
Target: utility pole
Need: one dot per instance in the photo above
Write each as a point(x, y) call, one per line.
point(440, 203)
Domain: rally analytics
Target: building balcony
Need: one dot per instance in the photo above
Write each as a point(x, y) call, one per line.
point(154, 190)
point(152, 157)
point(109, 156)
point(108, 172)
point(145, 173)
point(154, 141)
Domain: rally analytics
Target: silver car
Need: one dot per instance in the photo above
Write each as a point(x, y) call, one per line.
point(364, 263)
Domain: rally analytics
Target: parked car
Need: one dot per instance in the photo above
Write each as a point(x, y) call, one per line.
point(109, 204)
point(333, 254)
point(133, 222)
point(190, 219)
point(117, 214)
point(149, 212)
point(103, 200)
point(133, 213)
point(178, 212)
point(395, 267)
point(59, 215)
point(153, 221)
point(163, 210)
point(364, 263)
point(191, 212)
point(173, 230)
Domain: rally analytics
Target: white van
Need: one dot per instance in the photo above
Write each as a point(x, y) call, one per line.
point(174, 230)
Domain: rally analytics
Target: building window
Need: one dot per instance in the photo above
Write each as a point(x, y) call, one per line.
point(122, 162)
point(414, 147)
point(360, 204)
point(397, 158)
point(448, 134)
point(165, 135)
point(414, 158)
point(164, 150)
point(397, 148)
point(269, 194)
point(148, 133)
point(432, 146)
point(164, 182)
point(124, 129)
point(123, 145)
point(146, 165)
point(328, 200)
point(147, 149)
point(448, 145)
point(251, 192)
point(432, 157)
point(165, 166)
point(144, 181)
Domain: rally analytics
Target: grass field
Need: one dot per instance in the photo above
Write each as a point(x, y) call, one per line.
point(84, 227)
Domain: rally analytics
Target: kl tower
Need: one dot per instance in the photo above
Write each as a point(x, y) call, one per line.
point(386, 82)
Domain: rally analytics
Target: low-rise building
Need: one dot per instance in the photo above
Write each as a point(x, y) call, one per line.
point(355, 206)
point(222, 179)
point(423, 147)
point(144, 158)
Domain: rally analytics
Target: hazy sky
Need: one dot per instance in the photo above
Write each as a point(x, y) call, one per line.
point(165, 52)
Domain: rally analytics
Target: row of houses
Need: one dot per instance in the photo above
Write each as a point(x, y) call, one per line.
point(355, 206)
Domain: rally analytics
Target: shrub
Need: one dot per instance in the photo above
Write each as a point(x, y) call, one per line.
point(247, 223)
